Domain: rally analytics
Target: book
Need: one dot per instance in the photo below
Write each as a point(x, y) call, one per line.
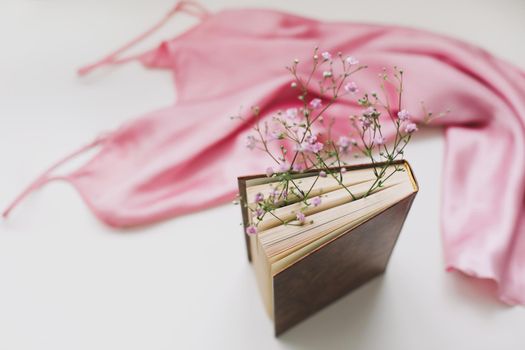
point(345, 242)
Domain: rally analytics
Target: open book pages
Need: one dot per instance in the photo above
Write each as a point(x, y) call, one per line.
point(278, 246)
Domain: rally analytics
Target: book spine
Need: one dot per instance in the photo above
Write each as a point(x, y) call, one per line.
point(242, 193)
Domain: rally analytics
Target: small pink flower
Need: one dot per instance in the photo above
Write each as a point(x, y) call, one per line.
point(275, 135)
point(300, 147)
point(343, 170)
point(315, 147)
point(259, 197)
point(301, 217)
point(283, 167)
point(269, 171)
point(403, 115)
point(365, 122)
point(297, 167)
point(310, 139)
point(259, 212)
point(351, 87)
point(326, 55)
point(343, 143)
point(251, 142)
point(310, 144)
point(369, 112)
point(251, 230)
point(316, 201)
point(316, 103)
point(291, 113)
point(351, 60)
point(322, 173)
point(410, 128)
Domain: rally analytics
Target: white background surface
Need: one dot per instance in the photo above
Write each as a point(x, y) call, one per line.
point(68, 282)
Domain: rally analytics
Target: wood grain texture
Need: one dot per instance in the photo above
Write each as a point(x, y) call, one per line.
point(338, 267)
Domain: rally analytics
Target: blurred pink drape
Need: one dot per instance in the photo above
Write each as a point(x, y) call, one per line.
point(186, 157)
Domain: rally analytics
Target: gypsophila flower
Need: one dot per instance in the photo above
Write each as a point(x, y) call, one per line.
point(291, 114)
point(410, 128)
point(351, 87)
point(276, 135)
point(251, 230)
point(310, 139)
point(297, 167)
point(352, 60)
point(310, 144)
point(326, 55)
point(343, 143)
point(316, 103)
point(365, 122)
point(251, 142)
point(300, 147)
point(283, 167)
point(274, 192)
point(299, 129)
point(274, 196)
point(369, 112)
point(403, 115)
point(315, 147)
point(259, 197)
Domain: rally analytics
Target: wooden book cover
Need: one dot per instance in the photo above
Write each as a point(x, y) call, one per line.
point(337, 266)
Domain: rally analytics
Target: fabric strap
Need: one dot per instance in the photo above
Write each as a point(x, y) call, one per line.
point(190, 7)
point(47, 175)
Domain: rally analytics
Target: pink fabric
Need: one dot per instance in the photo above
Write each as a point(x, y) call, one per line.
point(186, 157)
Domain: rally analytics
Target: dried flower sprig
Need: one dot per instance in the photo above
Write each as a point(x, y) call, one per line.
point(300, 139)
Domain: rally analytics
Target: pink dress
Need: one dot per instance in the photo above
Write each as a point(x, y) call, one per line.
point(186, 157)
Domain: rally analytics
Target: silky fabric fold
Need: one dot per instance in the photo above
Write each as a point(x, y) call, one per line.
point(186, 157)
